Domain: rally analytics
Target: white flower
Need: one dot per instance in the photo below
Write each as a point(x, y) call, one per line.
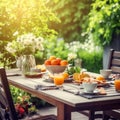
point(25, 44)
point(71, 56)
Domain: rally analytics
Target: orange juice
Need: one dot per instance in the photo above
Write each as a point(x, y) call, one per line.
point(117, 84)
point(58, 80)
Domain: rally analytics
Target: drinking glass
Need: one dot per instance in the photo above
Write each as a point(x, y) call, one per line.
point(117, 85)
point(58, 80)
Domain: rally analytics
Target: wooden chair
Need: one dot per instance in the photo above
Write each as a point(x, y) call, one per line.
point(7, 109)
point(114, 64)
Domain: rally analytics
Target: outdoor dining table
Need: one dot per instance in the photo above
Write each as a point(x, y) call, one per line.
point(66, 102)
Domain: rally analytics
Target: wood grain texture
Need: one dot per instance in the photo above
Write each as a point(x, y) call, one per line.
point(64, 101)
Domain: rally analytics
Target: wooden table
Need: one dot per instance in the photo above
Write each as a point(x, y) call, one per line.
point(64, 101)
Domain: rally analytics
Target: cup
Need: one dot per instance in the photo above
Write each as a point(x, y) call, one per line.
point(117, 85)
point(89, 87)
point(58, 80)
point(105, 72)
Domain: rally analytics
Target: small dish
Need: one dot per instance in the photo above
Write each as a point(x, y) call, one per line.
point(33, 75)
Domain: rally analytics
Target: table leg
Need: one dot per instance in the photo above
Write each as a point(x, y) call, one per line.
point(63, 112)
point(91, 115)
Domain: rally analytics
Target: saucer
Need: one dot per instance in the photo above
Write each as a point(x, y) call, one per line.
point(94, 92)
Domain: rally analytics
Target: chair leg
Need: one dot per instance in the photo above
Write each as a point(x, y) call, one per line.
point(105, 117)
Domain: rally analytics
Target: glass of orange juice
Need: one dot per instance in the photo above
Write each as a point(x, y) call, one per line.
point(117, 85)
point(58, 80)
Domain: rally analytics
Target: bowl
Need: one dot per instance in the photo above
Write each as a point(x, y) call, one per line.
point(105, 72)
point(89, 87)
point(55, 68)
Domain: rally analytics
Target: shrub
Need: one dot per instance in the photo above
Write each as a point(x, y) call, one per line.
point(91, 61)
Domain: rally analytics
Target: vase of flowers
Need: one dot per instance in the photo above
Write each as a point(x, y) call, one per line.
point(25, 45)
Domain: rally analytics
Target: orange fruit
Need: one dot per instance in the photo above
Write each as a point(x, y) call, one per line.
point(52, 58)
point(64, 62)
point(54, 62)
point(59, 60)
point(65, 75)
point(47, 62)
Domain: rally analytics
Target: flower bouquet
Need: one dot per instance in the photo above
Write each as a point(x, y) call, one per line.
point(25, 45)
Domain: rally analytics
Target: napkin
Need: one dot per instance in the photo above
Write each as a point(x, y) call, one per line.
point(97, 94)
point(43, 87)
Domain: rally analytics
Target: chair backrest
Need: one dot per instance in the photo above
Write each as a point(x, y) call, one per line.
point(114, 61)
point(7, 109)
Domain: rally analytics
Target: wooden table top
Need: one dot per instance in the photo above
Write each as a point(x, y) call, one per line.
point(76, 101)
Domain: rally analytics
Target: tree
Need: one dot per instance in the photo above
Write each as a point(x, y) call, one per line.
point(24, 16)
point(73, 15)
point(104, 21)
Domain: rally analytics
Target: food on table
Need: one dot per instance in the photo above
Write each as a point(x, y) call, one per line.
point(76, 77)
point(51, 76)
point(64, 62)
point(102, 91)
point(100, 79)
point(115, 76)
point(65, 75)
point(84, 77)
point(47, 62)
point(33, 75)
point(89, 79)
point(42, 67)
point(53, 60)
point(79, 77)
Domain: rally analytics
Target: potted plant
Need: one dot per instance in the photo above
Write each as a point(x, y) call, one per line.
point(104, 25)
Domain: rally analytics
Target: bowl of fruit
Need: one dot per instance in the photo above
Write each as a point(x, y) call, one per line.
point(55, 65)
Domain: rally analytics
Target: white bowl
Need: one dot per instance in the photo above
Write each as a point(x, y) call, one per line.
point(55, 68)
point(105, 72)
point(89, 87)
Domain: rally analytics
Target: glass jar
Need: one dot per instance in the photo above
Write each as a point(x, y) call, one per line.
point(28, 63)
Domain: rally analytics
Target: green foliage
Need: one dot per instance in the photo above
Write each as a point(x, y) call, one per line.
point(104, 21)
point(73, 69)
point(56, 47)
point(18, 17)
point(91, 61)
point(18, 94)
point(72, 14)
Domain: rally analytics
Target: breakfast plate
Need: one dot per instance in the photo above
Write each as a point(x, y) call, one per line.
point(34, 75)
